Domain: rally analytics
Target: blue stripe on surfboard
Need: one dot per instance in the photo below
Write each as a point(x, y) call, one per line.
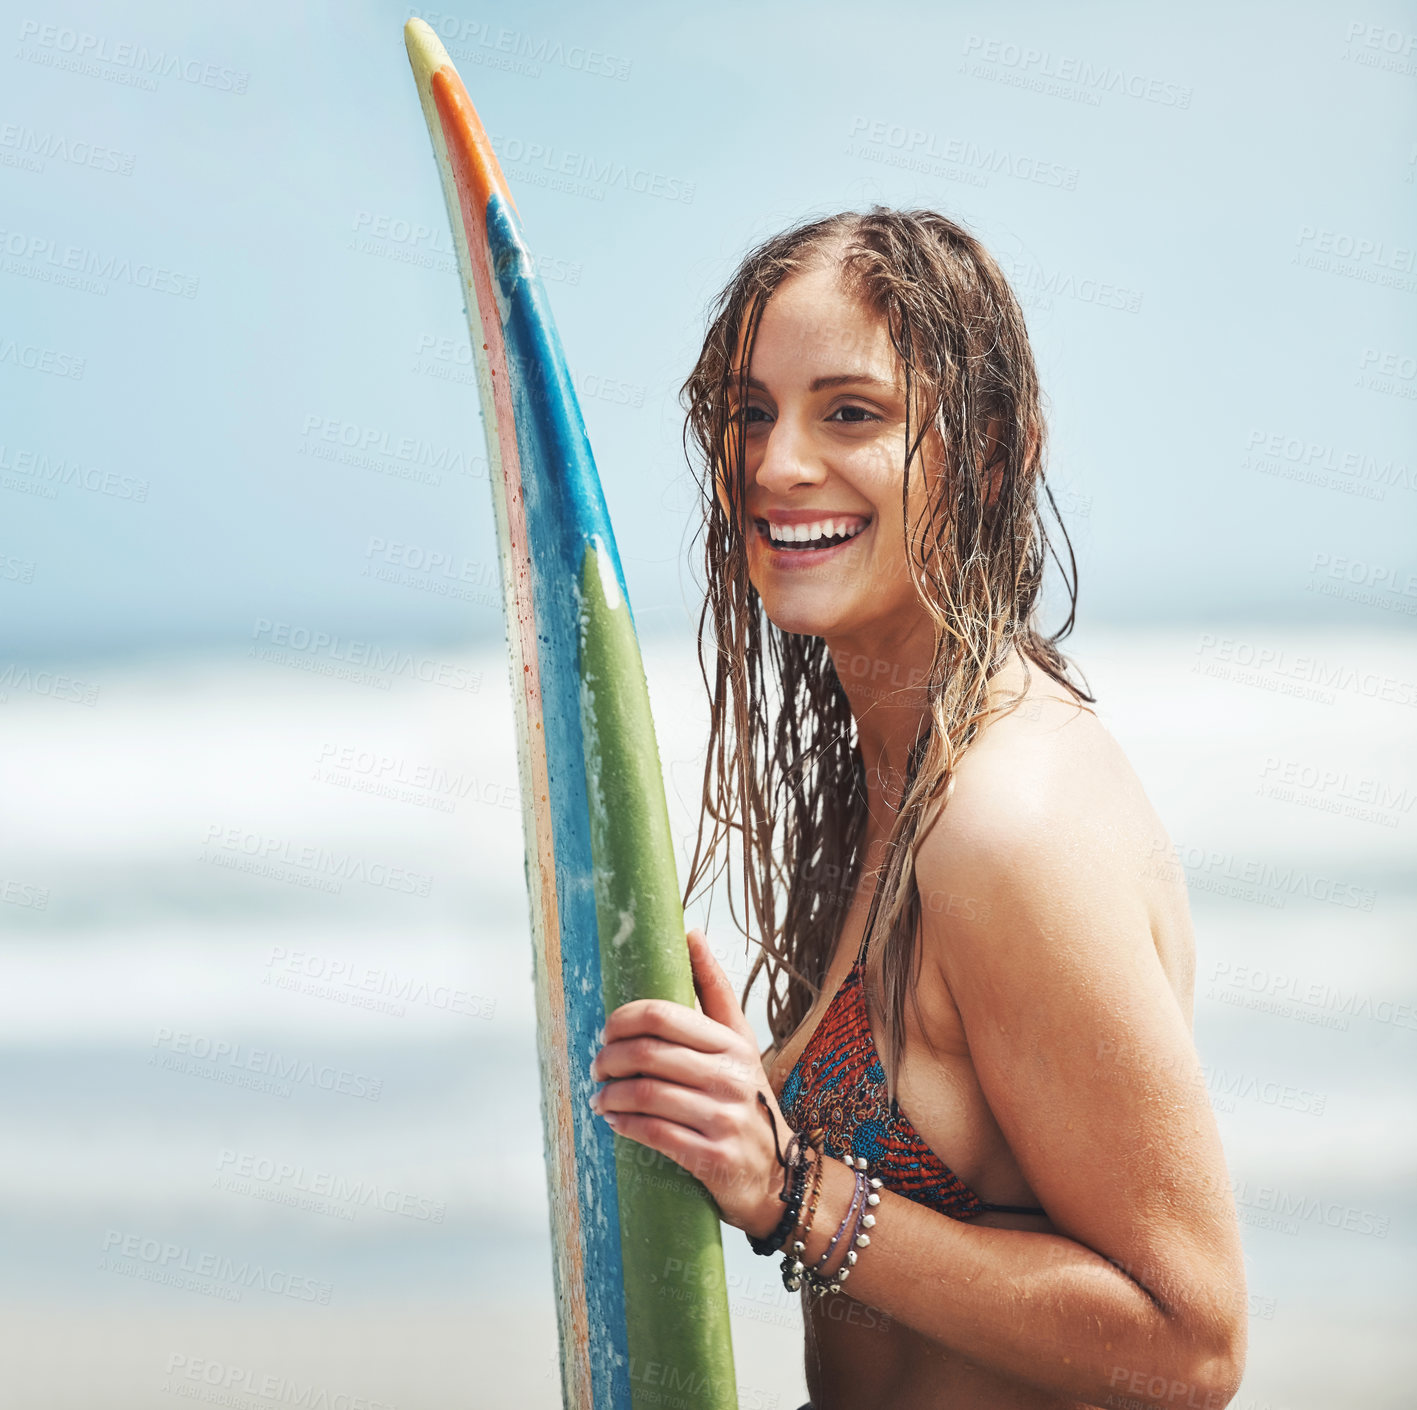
point(554, 407)
point(564, 506)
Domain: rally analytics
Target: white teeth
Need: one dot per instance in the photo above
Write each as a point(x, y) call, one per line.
point(805, 533)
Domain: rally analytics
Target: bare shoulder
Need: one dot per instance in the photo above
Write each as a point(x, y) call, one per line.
point(1048, 763)
point(1046, 801)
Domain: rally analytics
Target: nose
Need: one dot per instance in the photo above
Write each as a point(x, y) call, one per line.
point(788, 459)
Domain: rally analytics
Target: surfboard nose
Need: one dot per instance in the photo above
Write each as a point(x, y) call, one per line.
point(441, 92)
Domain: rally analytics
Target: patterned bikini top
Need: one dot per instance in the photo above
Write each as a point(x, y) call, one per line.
point(839, 1084)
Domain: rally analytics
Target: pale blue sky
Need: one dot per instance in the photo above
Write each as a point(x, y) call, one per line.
point(1192, 161)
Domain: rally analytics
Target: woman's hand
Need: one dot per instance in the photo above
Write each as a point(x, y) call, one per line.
point(686, 1084)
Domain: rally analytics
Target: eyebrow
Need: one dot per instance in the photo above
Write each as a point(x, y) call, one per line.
point(843, 379)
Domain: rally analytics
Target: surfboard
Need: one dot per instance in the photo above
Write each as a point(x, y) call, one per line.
point(641, 1298)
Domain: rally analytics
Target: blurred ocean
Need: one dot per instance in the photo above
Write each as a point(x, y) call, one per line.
point(267, 1004)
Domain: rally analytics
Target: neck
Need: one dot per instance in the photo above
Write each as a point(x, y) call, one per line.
point(885, 684)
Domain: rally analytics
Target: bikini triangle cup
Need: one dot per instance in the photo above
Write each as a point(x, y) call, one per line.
point(839, 1082)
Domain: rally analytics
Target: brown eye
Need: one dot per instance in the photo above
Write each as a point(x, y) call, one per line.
point(860, 419)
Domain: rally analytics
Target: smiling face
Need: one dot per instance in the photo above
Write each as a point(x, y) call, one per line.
point(825, 447)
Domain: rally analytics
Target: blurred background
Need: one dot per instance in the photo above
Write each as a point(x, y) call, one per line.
point(265, 963)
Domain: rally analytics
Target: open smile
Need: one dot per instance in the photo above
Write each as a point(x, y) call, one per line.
point(812, 539)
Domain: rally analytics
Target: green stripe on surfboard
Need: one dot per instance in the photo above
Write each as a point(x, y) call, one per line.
point(675, 1291)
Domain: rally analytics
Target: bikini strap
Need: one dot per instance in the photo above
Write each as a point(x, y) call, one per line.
point(861, 948)
point(866, 926)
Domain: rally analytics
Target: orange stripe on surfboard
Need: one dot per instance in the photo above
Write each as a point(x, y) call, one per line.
point(477, 164)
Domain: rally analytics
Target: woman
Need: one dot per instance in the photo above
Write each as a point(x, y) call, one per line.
point(972, 873)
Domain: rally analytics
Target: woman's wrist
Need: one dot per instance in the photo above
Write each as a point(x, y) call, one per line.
point(767, 1217)
point(777, 1209)
point(782, 1206)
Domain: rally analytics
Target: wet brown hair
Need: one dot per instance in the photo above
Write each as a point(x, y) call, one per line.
point(784, 768)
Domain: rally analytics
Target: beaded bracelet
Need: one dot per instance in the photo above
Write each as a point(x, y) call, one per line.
point(857, 1239)
point(779, 1235)
point(792, 1269)
point(815, 1280)
point(794, 1167)
point(822, 1284)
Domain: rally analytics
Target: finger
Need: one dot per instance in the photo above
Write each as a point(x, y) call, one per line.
point(684, 1106)
point(695, 969)
point(663, 1018)
point(715, 989)
point(726, 1075)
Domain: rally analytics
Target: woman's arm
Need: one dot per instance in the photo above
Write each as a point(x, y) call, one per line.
point(1041, 1308)
point(1087, 1064)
